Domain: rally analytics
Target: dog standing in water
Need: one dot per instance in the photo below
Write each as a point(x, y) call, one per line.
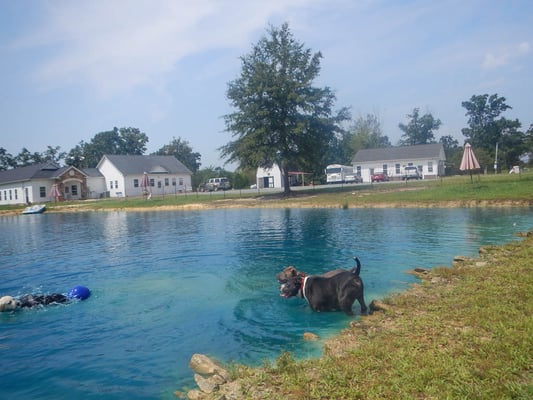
point(334, 290)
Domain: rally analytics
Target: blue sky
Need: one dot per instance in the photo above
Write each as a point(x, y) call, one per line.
point(71, 69)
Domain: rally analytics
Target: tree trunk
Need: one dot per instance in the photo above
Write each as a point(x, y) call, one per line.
point(286, 184)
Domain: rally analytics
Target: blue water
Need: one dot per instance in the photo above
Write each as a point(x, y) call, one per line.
point(166, 285)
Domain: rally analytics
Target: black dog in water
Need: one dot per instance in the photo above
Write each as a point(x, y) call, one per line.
point(8, 303)
point(335, 290)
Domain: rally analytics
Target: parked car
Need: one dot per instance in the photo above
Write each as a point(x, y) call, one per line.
point(411, 173)
point(379, 177)
point(353, 179)
point(215, 184)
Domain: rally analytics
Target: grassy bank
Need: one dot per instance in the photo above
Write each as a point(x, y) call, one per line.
point(464, 332)
point(457, 191)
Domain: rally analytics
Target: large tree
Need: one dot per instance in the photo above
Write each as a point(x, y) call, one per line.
point(487, 128)
point(181, 149)
point(126, 141)
point(280, 117)
point(419, 129)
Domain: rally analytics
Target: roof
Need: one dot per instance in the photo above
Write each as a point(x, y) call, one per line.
point(35, 171)
point(422, 151)
point(92, 173)
point(137, 165)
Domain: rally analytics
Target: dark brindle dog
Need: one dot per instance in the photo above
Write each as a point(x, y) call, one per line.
point(334, 290)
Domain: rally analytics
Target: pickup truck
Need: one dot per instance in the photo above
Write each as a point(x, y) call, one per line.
point(379, 177)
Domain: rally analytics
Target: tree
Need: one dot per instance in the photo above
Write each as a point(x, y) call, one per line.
point(53, 154)
point(280, 116)
point(453, 153)
point(126, 141)
point(419, 129)
point(25, 158)
point(366, 133)
point(6, 160)
point(486, 128)
point(183, 152)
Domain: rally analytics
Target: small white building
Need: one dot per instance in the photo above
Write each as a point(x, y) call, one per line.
point(269, 177)
point(429, 159)
point(124, 174)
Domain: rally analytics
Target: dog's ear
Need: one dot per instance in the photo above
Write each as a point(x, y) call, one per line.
point(291, 271)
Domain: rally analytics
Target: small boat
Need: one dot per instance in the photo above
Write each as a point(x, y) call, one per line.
point(36, 209)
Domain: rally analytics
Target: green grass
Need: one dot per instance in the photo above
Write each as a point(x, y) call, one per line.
point(458, 190)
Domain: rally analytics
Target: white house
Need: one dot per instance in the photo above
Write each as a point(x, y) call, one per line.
point(34, 184)
point(124, 174)
point(115, 176)
point(428, 158)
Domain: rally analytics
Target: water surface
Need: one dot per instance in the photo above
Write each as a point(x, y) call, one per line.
point(166, 285)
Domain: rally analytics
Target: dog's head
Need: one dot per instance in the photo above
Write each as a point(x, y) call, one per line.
point(288, 273)
point(8, 303)
point(291, 287)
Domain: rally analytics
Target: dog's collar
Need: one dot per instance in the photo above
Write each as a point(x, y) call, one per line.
point(302, 289)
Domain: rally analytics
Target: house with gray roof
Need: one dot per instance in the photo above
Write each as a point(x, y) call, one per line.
point(124, 175)
point(34, 183)
point(429, 159)
point(115, 176)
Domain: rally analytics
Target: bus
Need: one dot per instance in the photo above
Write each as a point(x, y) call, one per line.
point(336, 173)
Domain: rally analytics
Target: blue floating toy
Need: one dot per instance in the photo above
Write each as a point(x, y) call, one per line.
point(78, 293)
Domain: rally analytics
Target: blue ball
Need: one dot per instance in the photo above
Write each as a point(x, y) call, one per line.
point(79, 293)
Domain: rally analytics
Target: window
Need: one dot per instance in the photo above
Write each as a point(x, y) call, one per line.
point(42, 191)
point(430, 166)
point(136, 183)
point(173, 181)
point(385, 168)
point(358, 169)
point(74, 190)
point(181, 181)
point(16, 194)
point(116, 184)
point(166, 182)
point(152, 182)
point(67, 190)
point(110, 184)
point(10, 195)
point(397, 167)
point(159, 184)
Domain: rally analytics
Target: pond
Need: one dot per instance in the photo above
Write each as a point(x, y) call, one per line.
point(166, 285)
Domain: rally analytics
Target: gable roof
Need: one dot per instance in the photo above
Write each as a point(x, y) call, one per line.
point(422, 151)
point(138, 165)
point(35, 171)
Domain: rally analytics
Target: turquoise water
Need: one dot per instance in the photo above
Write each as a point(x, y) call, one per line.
point(166, 285)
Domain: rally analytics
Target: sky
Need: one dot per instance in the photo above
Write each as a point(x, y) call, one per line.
point(70, 69)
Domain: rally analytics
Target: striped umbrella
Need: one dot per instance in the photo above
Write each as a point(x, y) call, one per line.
point(469, 161)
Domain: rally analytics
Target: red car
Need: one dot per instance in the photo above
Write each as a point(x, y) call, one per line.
point(379, 177)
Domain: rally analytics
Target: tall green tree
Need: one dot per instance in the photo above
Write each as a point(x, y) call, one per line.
point(126, 141)
point(181, 149)
point(366, 133)
point(487, 127)
point(280, 117)
point(6, 160)
point(419, 129)
point(25, 158)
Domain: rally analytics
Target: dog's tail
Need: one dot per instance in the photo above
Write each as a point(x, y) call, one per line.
point(356, 270)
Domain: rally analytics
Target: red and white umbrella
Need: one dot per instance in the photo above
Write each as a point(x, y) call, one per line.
point(469, 161)
point(145, 183)
point(54, 192)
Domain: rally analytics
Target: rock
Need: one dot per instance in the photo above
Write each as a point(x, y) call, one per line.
point(206, 385)
point(311, 336)
point(421, 270)
point(377, 305)
point(460, 259)
point(195, 394)
point(209, 376)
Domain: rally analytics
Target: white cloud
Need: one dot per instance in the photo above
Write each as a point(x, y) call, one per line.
point(113, 46)
point(505, 56)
